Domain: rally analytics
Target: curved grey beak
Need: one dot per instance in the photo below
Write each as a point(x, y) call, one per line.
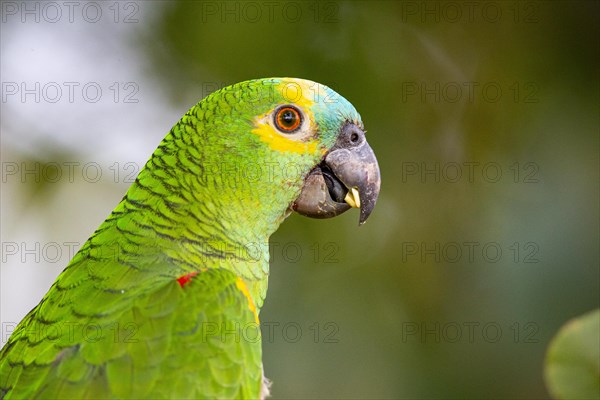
point(347, 178)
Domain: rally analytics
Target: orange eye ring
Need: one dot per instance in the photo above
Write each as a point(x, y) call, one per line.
point(288, 119)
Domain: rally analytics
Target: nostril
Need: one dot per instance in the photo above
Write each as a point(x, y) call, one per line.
point(351, 135)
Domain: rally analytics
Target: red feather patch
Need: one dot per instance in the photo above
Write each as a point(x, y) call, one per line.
point(187, 278)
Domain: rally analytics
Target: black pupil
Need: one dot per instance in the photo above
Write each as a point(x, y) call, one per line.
point(288, 118)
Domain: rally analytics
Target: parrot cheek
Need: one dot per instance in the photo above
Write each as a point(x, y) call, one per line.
point(347, 178)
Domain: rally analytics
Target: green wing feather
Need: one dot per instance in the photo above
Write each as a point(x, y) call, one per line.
point(199, 340)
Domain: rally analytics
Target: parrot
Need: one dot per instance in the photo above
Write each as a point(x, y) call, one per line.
point(163, 300)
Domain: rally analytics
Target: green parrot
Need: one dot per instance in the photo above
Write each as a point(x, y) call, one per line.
point(163, 300)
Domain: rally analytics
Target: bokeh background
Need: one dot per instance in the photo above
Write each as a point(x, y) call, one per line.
point(484, 117)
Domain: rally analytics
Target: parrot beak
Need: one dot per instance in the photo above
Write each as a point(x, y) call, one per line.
point(348, 177)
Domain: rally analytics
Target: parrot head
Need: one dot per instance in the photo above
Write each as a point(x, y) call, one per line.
point(347, 174)
point(264, 148)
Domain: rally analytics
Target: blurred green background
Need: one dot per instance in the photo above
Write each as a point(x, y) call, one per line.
point(483, 115)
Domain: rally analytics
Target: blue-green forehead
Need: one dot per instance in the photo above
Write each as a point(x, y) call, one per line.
point(329, 101)
point(330, 109)
point(330, 105)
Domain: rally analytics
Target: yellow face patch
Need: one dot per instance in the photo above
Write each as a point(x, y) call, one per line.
point(302, 94)
point(277, 141)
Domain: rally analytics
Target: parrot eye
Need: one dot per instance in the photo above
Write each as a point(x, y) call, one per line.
point(288, 119)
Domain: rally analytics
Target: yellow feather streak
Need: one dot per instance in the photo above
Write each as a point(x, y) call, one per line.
point(241, 285)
